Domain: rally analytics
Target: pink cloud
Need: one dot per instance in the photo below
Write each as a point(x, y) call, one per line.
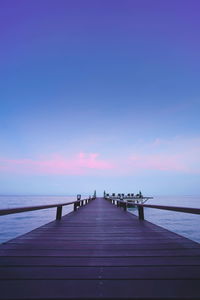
point(161, 162)
point(82, 163)
point(180, 154)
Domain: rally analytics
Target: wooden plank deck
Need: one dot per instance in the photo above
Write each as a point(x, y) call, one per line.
point(98, 252)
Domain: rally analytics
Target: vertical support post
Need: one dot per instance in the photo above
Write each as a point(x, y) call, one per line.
point(59, 213)
point(75, 206)
point(141, 212)
point(124, 206)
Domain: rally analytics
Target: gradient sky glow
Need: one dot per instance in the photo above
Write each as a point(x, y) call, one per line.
point(99, 95)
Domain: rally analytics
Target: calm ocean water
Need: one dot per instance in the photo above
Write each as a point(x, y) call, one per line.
point(17, 224)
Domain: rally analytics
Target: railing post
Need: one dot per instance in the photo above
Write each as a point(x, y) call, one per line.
point(75, 206)
point(141, 212)
point(59, 212)
point(124, 206)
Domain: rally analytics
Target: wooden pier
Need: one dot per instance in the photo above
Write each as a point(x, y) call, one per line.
point(100, 251)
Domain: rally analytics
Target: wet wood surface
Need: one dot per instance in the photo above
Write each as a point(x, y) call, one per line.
point(100, 252)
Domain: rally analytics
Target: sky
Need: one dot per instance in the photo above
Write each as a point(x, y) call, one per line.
point(99, 95)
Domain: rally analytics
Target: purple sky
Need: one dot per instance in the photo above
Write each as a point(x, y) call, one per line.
point(99, 95)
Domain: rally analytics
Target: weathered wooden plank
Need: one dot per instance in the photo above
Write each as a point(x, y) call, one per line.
point(141, 252)
point(98, 261)
point(96, 289)
point(108, 248)
point(140, 272)
point(98, 235)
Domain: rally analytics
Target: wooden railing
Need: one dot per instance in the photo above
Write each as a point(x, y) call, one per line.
point(124, 205)
point(59, 206)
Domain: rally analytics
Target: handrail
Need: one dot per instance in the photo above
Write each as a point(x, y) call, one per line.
point(190, 210)
point(59, 206)
point(121, 203)
point(15, 210)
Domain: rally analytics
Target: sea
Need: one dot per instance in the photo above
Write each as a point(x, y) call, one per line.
point(14, 225)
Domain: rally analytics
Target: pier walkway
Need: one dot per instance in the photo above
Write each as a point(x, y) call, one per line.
point(100, 251)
